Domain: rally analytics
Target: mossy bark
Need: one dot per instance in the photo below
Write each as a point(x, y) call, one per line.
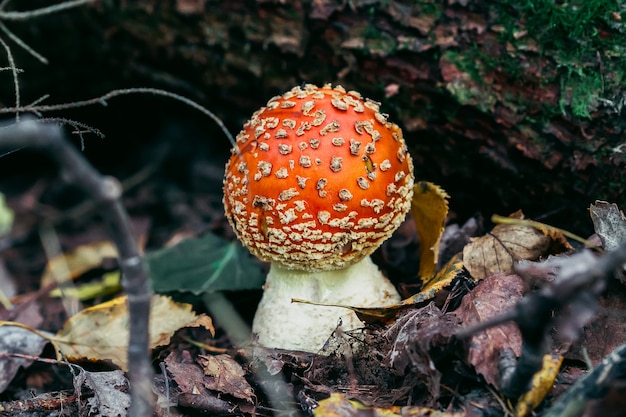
point(502, 103)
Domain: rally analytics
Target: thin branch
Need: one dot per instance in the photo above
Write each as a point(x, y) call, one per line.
point(22, 44)
point(16, 83)
point(102, 100)
point(79, 128)
point(41, 12)
point(49, 139)
point(582, 278)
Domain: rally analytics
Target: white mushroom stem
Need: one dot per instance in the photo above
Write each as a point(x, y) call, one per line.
point(296, 326)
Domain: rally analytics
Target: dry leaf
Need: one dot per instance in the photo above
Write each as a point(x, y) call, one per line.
point(225, 375)
point(445, 276)
point(338, 405)
point(497, 251)
point(541, 385)
point(20, 339)
point(101, 332)
point(429, 208)
point(73, 264)
point(386, 315)
point(102, 394)
point(414, 334)
point(606, 331)
point(610, 225)
point(491, 297)
point(192, 383)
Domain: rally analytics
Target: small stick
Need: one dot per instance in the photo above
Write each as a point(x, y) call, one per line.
point(105, 191)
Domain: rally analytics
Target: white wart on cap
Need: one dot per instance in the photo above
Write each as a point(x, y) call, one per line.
point(318, 179)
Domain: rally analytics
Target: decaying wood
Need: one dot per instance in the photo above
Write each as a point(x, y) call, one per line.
point(498, 106)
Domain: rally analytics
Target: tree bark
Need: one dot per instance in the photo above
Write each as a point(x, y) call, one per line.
point(507, 104)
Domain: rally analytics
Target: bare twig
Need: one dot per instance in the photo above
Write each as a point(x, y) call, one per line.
point(102, 100)
point(22, 44)
point(581, 279)
point(14, 71)
point(48, 138)
point(4, 15)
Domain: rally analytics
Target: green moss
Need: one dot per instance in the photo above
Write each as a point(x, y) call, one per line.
point(582, 38)
point(585, 38)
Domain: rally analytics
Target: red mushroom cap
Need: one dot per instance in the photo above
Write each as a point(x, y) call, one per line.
point(318, 180)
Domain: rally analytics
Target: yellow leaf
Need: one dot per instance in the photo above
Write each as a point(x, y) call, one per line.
point(110, 284)
point(444, 277)
point(337, 405)
point(541, 385)
point(101, 332)
point(429, 209)
point(77, 262)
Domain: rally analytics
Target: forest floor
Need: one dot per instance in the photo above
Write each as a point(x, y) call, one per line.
point(416, 361)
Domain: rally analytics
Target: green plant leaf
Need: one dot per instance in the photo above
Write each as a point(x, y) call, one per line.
point(204, 264)
point(6, 217)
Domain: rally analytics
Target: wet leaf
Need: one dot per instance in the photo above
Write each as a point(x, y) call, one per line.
point(429, 208)
point(198, 265)
point(492, 296)
point(223, 374)
point(497, 251)
point(541, 385)
point(101, 332)
point(102, 394)
point(19, 339)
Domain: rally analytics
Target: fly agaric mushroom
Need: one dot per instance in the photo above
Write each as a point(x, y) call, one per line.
point(317, 181)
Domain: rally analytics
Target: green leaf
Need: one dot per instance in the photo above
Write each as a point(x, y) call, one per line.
point(6, 217)
point(204, 264)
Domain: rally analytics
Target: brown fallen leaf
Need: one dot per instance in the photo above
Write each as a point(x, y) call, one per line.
point(194, 388)
point(491, 297)
point(223, 374)
point(606, 331)
point(414, 334)
point(101, 332)
point(497, 251)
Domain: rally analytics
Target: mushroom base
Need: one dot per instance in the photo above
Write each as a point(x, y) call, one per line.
point(279, 323)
